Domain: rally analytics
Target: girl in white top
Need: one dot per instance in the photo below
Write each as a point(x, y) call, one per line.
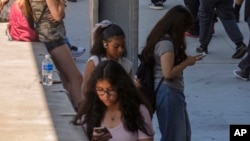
point(127, 65)
point(109, 44)
point(113, 101)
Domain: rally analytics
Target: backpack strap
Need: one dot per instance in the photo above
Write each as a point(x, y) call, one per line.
point(158, 86)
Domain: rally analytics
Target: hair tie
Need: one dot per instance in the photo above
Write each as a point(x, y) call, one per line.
point(103, 24)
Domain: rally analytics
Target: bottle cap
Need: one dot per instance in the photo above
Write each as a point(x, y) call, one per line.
point(47, 55)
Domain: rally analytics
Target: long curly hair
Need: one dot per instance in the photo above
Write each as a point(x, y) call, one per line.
point(174, 24)
point(104, 34)
point(129, 100)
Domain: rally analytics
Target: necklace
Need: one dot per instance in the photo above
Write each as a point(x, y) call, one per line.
point(113, 116)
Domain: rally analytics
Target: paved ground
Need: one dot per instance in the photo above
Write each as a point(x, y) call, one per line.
point(29, 111)
point(215, 98)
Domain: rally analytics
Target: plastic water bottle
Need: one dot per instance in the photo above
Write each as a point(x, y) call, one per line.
point(47, 70)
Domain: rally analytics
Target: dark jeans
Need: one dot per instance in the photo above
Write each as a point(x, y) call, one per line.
point(244, 64)
point(157, 1)
point(247, 10)
point(193, 6)
point(224, 10)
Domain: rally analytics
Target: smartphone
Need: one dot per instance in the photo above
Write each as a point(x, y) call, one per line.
point(101, 130)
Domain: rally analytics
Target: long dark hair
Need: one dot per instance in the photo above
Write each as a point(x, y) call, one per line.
point(129, 99)
point(174, 24)
point(105, 33)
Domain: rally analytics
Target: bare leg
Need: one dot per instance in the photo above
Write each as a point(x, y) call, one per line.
point(62, 77)
point(70, 75)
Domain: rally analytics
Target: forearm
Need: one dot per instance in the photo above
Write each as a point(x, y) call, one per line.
point(56, 8)
point(177, 70)
point(170, 70)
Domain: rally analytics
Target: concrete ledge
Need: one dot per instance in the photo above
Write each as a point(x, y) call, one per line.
point(28, 110)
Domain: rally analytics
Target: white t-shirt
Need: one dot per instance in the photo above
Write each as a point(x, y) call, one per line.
point(127, 64)
point(119, 133)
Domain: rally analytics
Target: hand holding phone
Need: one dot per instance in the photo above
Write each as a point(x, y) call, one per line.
point(101, 130)
point(101, 134)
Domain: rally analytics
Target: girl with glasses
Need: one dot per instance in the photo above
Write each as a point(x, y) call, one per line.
point(112, 101)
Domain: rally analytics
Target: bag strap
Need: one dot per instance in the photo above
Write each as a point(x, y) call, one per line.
point(40, 18)
point(158, 86)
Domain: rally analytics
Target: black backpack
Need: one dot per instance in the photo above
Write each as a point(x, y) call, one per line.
point(145, 73)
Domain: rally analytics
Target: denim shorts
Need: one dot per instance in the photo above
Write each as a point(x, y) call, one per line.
point(51, 45)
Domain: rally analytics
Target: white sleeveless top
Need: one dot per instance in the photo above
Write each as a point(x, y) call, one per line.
point(127, 64)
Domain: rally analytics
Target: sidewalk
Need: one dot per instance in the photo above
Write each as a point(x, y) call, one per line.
point(29, 111)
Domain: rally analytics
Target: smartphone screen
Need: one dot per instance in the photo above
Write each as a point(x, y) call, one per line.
point(101, 129)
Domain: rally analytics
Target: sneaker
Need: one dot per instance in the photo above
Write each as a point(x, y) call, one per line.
point(157, 6)
point(77, 51)
point(189, 34)
point(240, 51)
point(240, 75)
point(201, 50)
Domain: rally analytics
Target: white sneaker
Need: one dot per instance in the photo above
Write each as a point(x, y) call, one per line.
point(241, 76)
point(77, 51)
point(158, 6)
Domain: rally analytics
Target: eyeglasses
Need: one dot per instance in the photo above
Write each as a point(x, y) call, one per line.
point(102, 92)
